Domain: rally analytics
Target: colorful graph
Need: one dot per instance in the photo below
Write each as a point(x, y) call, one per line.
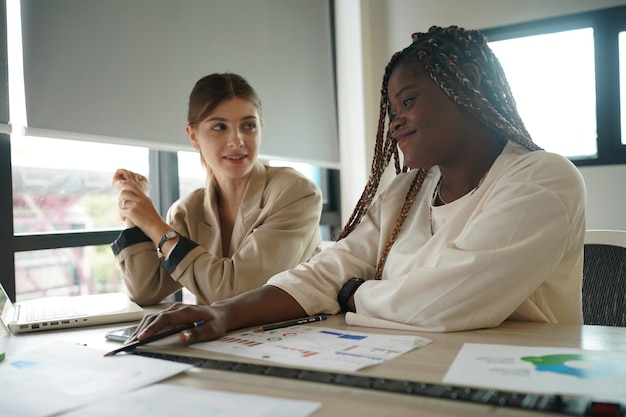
point(317, 347)
point(585, 366)
point(549, 370)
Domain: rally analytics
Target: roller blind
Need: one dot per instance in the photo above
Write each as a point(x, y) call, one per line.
point(121, 70)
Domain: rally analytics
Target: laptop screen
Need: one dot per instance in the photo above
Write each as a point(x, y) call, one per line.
point(6, 307)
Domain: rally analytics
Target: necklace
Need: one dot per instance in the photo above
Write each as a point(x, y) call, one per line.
point(437, 194)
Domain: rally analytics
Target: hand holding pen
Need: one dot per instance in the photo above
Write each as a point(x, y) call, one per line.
point(133, 345)
point(137, 343)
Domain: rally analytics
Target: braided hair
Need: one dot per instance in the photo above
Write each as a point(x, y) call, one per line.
point(442, 52)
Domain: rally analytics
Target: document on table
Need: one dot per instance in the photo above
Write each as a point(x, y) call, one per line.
point(316, 347)
point(58, 377)
point(544, 370)
point(167, 400)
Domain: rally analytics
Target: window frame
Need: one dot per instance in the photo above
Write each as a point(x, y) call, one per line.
point(7, 257)
point(606, 25)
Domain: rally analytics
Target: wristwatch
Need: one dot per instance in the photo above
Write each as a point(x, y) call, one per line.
point(347, 291)
point(170, 234)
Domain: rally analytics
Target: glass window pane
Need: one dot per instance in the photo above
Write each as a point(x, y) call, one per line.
point(552, 77)
point(622, 83)
point(62, 185)
point(191, 174)
point(67, 271)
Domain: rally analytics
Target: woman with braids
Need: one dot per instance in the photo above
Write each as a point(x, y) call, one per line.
point(222, 239)
point(482, 226)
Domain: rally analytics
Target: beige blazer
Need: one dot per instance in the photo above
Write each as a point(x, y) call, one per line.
point(277, 228)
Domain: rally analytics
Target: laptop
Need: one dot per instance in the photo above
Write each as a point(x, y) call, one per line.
point(66, 312)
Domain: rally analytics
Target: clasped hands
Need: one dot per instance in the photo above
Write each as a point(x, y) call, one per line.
point(135, 207)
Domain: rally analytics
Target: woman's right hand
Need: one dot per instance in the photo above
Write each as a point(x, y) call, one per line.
point(180, 314)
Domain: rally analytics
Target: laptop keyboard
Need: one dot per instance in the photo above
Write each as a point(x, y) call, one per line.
point(51, 310)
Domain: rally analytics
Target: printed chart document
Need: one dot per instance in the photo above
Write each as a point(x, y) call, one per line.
point(544, 370)
point(316, 347)
point(167, 400)
point(57, 377)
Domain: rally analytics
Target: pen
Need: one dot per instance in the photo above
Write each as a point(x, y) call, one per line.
point(288, 323)
point(158, 336)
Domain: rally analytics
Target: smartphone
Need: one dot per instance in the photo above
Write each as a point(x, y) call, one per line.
point(120, 335)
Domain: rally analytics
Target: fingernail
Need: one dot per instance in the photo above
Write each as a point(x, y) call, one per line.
point(187, 334)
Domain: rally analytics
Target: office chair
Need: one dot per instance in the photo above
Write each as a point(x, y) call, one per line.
point(604, 278)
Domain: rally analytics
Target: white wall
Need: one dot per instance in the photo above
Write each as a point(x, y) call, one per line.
point(386, 27)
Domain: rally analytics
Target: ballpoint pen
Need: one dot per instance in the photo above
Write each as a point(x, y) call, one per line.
point(133, 345)
point(295, 322)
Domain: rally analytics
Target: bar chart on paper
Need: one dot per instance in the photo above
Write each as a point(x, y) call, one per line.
point(316, 347)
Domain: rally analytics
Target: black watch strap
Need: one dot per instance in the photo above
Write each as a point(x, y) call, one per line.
point(347, 291)
point(170, 234)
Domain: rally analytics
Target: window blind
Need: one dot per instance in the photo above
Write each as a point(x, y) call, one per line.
point(121, 71)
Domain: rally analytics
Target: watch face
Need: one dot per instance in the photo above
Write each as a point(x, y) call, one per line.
point(171, 234)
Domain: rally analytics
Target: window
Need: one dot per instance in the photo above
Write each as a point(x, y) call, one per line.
point(64, 214)
point(564, 75)
point(64, 210)
point(61, 187)
point(549, 104)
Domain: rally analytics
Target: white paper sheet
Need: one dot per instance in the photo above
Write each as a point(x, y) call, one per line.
point(167, 400)
point(545, 370)
point(60, 376)
point(316, 347)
